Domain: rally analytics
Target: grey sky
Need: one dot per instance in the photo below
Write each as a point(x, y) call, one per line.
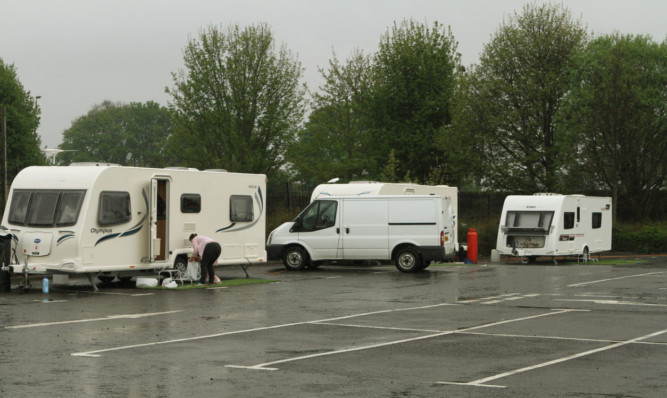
point(78, 53)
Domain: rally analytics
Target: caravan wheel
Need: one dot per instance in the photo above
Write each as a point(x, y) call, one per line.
point(181, 266)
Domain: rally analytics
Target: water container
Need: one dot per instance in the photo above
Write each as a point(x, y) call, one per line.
point(45, 285)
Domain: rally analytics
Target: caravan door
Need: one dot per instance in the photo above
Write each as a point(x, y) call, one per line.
point(158, 214)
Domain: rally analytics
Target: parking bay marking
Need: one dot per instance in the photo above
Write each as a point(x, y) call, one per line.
point(270, 365)
point(106, 318)
point(481, 382)
point(613, 279)
point(97, 353)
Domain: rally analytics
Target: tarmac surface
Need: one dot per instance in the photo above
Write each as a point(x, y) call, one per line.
point(478, 330)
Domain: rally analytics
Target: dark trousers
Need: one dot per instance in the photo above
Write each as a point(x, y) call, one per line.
point(212, 251)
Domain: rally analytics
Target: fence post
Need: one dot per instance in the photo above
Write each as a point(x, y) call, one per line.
point(289, 198)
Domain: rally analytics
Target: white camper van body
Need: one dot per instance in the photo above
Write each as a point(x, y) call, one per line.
point(554, 225)
point(357, 188)
point(410, 230)
point(117, 221)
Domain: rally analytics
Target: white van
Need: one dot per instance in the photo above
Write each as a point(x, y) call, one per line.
point(359, 188)
point(552, 225)
point(411, 230)
point(111, 221)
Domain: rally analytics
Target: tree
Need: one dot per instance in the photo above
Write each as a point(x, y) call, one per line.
point(128, 134)
point(414, 77)
point(239, 102)
point(510, 102)
point(335, 140)
point(21, 119)
point(618, 110)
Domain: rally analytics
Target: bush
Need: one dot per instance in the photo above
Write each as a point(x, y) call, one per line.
point(640, 238)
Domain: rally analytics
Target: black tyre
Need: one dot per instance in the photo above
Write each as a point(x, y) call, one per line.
point(295, 258)
point(407, 260)
point(181, 267)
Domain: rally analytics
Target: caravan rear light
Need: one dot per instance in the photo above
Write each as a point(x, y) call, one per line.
point(442, 238)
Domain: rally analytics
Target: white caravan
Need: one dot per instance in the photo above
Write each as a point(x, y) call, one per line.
point(411, 230)
point(554, 225)
point(109, 221)
point(386, 188)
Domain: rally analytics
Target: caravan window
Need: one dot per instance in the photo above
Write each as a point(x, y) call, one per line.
point(68, 208)
point(597, 220)
point(190, 203)
point(568, 220)
point(114, 208)
point(45, 208)
point(529, 219)
point(240, 208)
point(19, 207)
point(42, 208)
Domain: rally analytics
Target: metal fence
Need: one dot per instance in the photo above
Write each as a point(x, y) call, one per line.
point(289, 198)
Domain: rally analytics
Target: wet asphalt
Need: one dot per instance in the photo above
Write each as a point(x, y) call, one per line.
point(479, 330)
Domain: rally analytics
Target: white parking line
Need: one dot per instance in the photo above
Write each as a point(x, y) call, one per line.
point(613, 279)
point(481, 382)
point(270, 365)
point(106, 318)
point(615, 302)
point(96, 353)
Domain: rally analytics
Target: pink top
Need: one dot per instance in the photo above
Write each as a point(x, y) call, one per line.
point(198, 243)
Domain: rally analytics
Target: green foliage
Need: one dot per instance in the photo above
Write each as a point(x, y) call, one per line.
point(640, 238)
point(335, 139)
point(509, 103)
point(414, 76)
point(22, 119)
point(238, 103)
point(619, 113)
point(130, 135)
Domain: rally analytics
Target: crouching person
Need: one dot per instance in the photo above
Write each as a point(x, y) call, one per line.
point(207, 251)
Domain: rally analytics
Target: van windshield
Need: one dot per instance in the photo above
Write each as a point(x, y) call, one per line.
point(529, 221)
point(45, 207)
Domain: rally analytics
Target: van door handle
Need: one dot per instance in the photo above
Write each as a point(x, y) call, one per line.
point(338, 231)
point(347, 230)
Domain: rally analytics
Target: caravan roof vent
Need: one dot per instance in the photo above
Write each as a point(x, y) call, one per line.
point(88, 164)
point(181, 168)
point(217, 170)
point(546, 194)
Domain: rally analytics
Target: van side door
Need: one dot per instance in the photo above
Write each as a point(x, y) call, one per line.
point(364, 229)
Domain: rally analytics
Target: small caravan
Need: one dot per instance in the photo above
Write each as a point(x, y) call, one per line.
point(109, 220)
point(410, 230)
point(554, 225)
point(359, 188)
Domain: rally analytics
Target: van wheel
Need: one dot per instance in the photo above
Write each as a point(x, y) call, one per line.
point(295, 258)
point(408, 260)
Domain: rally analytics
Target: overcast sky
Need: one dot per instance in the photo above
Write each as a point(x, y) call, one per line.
point(78, 53)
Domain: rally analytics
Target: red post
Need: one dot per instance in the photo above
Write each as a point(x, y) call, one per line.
point(472, 245)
